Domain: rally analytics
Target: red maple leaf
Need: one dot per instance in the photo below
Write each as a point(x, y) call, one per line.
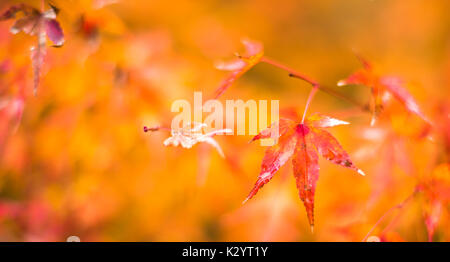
point(302, 142)
point(380, 85)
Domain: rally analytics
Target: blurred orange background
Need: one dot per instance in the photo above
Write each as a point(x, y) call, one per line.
point(80, 164)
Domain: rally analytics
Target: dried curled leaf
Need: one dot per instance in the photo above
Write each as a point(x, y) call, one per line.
point(54, 32)
point(36, 23)
point(38, 53)
point(304, 142)
point(11, 12)
point(192, 134)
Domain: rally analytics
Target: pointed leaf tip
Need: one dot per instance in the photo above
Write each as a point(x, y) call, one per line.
point(322, 121)
point(341, 83)
point(245, 201)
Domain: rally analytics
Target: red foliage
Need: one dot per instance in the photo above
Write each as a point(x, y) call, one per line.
point(303, 142)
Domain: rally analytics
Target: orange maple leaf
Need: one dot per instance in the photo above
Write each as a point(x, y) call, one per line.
point(303, 142)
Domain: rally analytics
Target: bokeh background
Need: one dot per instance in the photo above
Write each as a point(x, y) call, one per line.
point(80, 164)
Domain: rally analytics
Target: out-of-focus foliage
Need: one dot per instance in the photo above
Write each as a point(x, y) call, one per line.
point(75, 161)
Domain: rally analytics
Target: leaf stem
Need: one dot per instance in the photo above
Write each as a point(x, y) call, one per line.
point(308, 102)
point(293, 73)
point(289, 70)
point(296, 74)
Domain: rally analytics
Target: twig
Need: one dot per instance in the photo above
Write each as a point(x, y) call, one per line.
point(293, 73)
point(296, 74)
point(289, 70)
point(155, 128)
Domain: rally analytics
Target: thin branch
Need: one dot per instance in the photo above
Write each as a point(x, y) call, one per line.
point(155, 128)
point(289, 70)
point(296, 74)
point(293, 73)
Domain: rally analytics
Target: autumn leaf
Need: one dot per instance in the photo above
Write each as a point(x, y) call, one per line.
point(302, 142)
point(253, 54)
point(36, 23)
point(380, 86)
